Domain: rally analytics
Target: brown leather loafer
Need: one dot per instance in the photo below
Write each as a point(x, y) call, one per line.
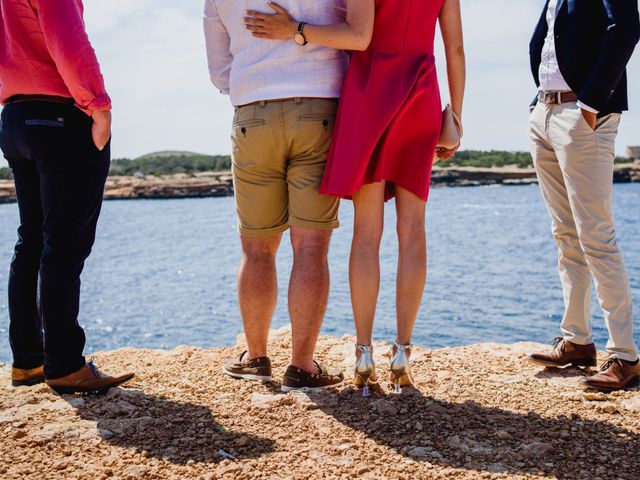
point(21, 378)
point(615, 374)
point(295, 379)
point(566, 353)
point(88, 380)
point(258, 369)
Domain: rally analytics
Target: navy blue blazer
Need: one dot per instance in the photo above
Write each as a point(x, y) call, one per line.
point(594, 43)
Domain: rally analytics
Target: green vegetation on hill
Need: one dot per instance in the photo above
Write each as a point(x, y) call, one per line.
point(168, 163)
point(494, 158)
point(624, 160)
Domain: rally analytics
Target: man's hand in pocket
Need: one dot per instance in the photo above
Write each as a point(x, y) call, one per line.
point(101, 130)
point(590, 117)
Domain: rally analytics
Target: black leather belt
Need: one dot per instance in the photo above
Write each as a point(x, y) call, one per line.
point(556, 98)
point(39, 98)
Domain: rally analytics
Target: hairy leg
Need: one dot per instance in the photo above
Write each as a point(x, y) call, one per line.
point(258, 290)
point(308, 292)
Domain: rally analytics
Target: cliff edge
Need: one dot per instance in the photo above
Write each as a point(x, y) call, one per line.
point(479, 411)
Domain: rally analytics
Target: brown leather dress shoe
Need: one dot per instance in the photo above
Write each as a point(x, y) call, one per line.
point(256, 369)
point(615, 374)
point(20, 377)
point(88, 380)
point(566, 353)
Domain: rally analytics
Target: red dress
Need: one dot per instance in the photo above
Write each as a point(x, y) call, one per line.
point(390, 113)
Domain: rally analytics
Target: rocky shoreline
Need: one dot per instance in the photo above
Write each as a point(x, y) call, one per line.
point(479, 411)
point(219, 184)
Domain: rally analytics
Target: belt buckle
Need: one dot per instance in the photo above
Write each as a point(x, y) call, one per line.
point(551, 98)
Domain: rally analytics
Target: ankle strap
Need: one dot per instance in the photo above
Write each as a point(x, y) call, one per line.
point(364, 348)
point(399, 346)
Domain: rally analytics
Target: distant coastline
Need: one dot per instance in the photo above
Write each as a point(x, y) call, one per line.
point(171, 174)
point(220, 184)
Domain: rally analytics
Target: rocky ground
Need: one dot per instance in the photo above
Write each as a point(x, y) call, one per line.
point(478, 412)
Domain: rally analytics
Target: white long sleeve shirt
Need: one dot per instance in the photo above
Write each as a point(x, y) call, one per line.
point(551, 78)
point(251, 69)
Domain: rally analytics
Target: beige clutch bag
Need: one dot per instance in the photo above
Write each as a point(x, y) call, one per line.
point(451, 134)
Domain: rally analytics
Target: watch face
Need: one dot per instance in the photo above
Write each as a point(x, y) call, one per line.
point(299, 39)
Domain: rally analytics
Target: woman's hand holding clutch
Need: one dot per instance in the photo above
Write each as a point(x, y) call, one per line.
point(450, 135)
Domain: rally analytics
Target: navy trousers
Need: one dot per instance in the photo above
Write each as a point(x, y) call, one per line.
point(59, 176)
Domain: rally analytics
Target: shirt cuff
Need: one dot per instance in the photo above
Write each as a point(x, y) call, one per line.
point(101, 103)
point(587, 107)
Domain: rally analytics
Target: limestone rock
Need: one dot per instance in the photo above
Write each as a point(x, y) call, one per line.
point(266, 401)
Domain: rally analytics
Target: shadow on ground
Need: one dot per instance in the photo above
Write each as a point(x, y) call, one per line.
point(169, 430)
point(471, 436)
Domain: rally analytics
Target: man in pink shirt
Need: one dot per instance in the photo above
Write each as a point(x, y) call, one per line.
point(55, 134)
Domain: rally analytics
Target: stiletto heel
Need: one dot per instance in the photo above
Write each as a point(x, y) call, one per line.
point(365, 369)
point(400, 368)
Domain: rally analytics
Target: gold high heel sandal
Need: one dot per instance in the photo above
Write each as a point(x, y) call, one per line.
point(400, 368)
point(365, 369)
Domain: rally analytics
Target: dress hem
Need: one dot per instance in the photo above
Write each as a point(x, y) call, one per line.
point(349, 196)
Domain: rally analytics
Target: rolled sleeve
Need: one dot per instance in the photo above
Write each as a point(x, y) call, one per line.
point(69, 46)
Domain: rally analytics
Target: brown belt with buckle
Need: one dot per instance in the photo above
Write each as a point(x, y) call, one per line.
point(556, 98)
point(290, 99)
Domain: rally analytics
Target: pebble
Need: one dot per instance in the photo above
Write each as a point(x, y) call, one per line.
point(384, 407)
point(265, 401)
point(595, 397)
point(135, 472)
point(362, 470)
point(609, 408)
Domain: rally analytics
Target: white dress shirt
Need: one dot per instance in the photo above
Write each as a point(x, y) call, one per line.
point(551, 78)
point(250, 69)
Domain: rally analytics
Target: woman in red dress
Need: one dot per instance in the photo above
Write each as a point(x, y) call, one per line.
point(384, 143)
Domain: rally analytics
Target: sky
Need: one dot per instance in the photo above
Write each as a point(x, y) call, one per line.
point(153, 58)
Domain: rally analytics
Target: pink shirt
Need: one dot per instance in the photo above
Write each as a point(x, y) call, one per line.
point(44, 50)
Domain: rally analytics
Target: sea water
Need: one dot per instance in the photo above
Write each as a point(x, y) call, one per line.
point(162, 272)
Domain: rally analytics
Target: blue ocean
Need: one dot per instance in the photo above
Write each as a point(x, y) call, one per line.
point(162, 272)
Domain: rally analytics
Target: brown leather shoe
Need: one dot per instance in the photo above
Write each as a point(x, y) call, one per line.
point(20, 377)
point(295, 379)
point(566, 353)
point(256, 369)
point(615, 374)
point(88, 380)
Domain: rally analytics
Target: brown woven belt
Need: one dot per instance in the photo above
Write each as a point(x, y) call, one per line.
point(556, 98)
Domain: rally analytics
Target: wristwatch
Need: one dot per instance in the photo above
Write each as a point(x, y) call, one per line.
point(299, 37)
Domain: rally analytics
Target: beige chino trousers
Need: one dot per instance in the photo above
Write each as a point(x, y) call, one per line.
point(574, 164)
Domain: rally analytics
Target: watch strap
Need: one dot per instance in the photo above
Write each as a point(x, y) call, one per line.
point(300, 32)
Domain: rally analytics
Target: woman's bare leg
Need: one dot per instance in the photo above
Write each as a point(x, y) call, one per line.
point(364, 264)
point(412, 261)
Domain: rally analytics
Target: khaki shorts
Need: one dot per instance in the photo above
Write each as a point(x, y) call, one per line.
point(279, 154)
